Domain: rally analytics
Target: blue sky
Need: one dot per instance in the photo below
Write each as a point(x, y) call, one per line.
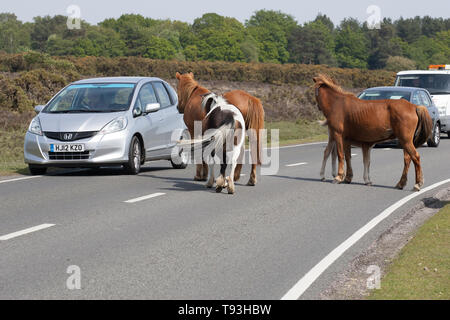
point(95, 11)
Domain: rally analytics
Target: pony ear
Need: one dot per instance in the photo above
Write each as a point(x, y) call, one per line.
point(178, 75)
point(191, 74)
point(315, 79)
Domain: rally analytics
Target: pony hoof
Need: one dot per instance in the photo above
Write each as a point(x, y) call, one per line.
point(209, 185)
point(251, 183)
point(399, 186)
point(197, 178)
point(219, 189)
point(323, 179)
point(416, 187)
point(337, 181)
point(369, 184)
point(230, 190)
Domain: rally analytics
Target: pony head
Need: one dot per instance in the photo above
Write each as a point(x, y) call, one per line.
point(186, 85)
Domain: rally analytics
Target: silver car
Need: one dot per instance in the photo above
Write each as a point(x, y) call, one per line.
point(106, 122)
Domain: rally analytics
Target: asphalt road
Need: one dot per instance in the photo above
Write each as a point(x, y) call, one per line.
point(189, 242)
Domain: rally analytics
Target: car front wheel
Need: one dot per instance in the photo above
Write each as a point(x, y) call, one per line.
point(436, 138)
point(133, 166)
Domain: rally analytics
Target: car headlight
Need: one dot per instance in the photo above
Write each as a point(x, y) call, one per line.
point(35, 126)
point(116, 125)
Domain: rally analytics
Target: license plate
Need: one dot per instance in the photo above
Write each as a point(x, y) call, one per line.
point(67, 148)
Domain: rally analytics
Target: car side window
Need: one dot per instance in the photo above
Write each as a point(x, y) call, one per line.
point(416, 99)
point(147, 95)
point(163, 96)
point(425, 100)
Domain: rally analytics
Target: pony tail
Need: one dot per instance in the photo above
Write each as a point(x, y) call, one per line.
point(424, 126)
point(255, 121)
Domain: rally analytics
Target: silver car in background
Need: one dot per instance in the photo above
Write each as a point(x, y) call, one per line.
point(106, 122)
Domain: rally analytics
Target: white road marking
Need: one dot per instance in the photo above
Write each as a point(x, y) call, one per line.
point(26, 231)
point(296, 164)
point(354, 154)
point(308, 279)
point(19, 179)
point(150, 196)
point(386, 149)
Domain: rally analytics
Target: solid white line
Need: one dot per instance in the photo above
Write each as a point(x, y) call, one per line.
point(26, 231)
point(19, 179)
point(354, 154)
point(296, 164)
point(305, 282)
point(150, 196)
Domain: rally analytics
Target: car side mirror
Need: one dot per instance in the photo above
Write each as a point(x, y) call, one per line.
point(38, 109)
point(152, 107)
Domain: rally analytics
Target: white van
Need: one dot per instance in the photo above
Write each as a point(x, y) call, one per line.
point(437, 81)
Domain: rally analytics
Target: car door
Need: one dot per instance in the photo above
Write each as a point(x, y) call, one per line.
point(149, 122)
point(426, 100)
point(169, 113)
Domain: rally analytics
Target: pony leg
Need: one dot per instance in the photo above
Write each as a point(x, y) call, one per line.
point(366, 160)
point(252, 181)
point(333, 160)
point(415, 157)
point(348, 160)
point(340, 153)
point(326, 154)
point(204, 171)
point(198, 172)
point(404, 179)
point(237, 173)
point(221, 181)
point(230, 186)
point(234, 160)
point(210, 182)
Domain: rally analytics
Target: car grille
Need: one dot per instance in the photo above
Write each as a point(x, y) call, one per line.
point(69, 155)
point(70, 136)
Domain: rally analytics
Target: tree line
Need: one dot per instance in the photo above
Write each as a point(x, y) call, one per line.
point(267, 36)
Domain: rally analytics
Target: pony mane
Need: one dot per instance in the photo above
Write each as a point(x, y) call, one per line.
point(325, 80)
point(186, 89)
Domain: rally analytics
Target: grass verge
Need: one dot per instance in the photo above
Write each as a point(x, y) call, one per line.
point(11, 152)
point(422, 269)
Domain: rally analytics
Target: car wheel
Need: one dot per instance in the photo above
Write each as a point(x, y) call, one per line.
point(436, 138)
point(182, 158)
point(133, 166)
point(37, 171)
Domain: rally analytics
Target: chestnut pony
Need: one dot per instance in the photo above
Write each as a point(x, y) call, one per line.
point(190, 104)
point(352, 121)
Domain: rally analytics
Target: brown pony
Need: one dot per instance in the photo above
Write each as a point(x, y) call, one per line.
point(352, 121)
point(190, 104)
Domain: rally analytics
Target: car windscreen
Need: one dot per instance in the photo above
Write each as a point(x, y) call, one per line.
point(434, 83)
point(92, 98)
point(385, 94)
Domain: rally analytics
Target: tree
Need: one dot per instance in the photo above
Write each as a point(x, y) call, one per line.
point(351, 45)
point(312, 43)
point(397, 64)
point(14, 35)
point(271, 29)
point(44, 27)
point(219, 38)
